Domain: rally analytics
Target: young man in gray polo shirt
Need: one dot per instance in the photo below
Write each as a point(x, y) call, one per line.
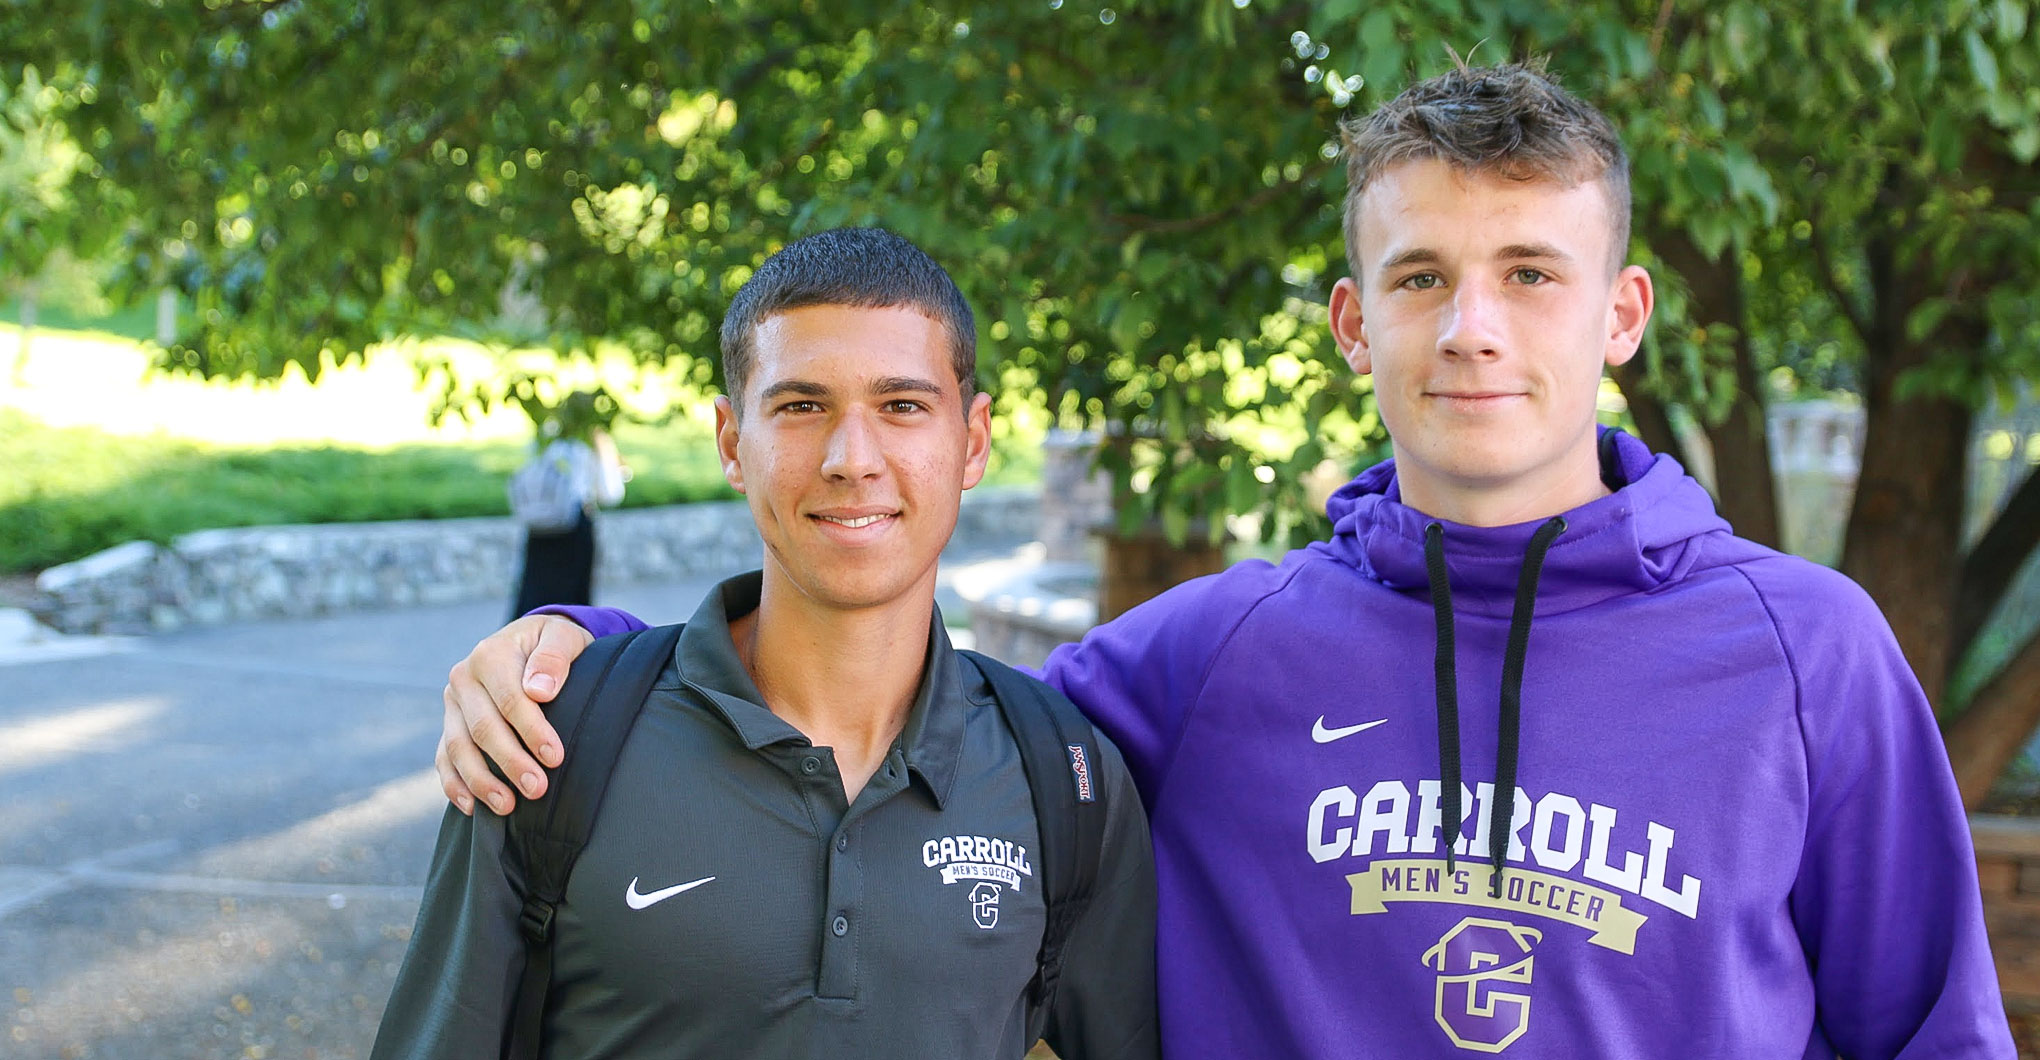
point(819, 839)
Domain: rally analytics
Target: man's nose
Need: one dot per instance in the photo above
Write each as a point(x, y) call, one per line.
point(1472, 327)
point(853, 451)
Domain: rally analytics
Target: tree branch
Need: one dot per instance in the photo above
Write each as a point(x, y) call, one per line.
point(1844, 299)
point(1657, 31)
point(1995, 559)
point(1985, 738)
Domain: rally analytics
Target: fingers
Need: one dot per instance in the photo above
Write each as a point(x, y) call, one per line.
point(559, 643)
point(490, 718)
point(478, 728)
point(472, 728)
point(456, 789)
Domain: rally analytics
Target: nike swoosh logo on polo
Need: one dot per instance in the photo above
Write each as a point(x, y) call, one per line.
point(635, 900)
point(1321, 734)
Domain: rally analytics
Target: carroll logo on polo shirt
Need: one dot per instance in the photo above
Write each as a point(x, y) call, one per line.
point(982, 860)
point(976, 857)
point(984, 905)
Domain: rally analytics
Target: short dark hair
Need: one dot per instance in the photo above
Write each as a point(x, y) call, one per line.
point(1512, 120)
point(863, 268)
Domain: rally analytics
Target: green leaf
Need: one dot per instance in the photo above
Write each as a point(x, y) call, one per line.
point(1982, 62)
point(2011, 21)
point(1242, 489)
point(1926, 317)
point(2025, 144)
point(1710, 231)
point(1176, 524)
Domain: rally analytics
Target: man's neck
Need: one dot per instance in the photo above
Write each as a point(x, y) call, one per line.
point(1483, 504)
point(845, 679)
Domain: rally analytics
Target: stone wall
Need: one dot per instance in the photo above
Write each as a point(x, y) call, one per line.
point(237, 575)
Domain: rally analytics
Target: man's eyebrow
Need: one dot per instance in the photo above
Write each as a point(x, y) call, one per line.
point(1412, 256)
point(1543, 251)
point(802, 387)
point(905, 384)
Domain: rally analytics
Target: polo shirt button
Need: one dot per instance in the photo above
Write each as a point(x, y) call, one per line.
point(842, 842)
point(810, 765)
point(841, 927)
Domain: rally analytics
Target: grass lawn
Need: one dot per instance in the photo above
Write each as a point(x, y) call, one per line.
point(95, 450)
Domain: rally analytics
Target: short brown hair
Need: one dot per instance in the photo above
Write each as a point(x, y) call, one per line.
point(861, 268)
point(1511, 120)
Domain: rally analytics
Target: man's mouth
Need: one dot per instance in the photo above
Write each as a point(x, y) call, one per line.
point(855, 521)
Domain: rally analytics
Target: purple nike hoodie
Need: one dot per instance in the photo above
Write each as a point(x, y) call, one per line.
point(1730, 827)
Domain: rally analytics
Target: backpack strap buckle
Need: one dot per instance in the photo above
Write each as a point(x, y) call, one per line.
point(536, 921)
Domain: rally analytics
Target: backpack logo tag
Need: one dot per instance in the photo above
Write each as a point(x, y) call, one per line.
point(1080, 766)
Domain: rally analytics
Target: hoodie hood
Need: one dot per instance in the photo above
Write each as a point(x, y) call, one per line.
point(1649, 532)
point(1643, 534)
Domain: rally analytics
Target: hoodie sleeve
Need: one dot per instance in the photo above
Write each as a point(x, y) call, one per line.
point(1138, 676)
point(457, 987)
point(601, 621)
point(1886, 899)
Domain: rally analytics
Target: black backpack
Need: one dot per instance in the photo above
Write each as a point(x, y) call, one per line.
point(599, 705)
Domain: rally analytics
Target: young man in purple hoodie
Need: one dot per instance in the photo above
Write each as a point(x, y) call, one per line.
point(1534, 756)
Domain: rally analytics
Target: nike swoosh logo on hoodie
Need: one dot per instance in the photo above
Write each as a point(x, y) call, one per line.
point(1321, 734)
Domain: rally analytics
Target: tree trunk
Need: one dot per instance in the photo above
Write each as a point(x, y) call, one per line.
point(1742, 456)
point(1994, 562)
point(1653, 420)
point(1138, 567)
point(1989, 735)
point(1745, 491)
point(1904, 543)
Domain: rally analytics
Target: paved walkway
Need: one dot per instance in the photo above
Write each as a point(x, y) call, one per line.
point(212, 842)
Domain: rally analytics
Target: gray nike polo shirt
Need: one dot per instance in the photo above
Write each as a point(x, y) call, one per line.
point(731, 904)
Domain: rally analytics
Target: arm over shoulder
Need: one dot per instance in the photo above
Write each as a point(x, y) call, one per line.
point(1138, 676)
point(599, 621)
point(458, 983)
point(1886, 900)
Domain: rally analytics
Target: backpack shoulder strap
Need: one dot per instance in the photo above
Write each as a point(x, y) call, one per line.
point(594, 713)
point(1059, 751)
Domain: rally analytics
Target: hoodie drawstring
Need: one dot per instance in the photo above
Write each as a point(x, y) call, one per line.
point(1502, 810)
point(1446, 671)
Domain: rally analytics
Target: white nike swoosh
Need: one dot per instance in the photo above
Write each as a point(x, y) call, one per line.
point(1321, 734)
point(635, 900)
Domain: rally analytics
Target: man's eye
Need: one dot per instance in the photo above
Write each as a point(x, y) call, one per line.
point(799, 406)
point(1530, 277)
point(1422, 281)
point(902, 406)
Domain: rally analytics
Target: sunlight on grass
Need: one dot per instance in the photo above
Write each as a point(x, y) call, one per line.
point(83, 379)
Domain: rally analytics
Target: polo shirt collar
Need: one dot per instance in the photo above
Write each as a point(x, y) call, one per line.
point(932, 737)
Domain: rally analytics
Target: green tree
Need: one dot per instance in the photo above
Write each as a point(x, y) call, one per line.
point(1141, 197)
point(48, 245)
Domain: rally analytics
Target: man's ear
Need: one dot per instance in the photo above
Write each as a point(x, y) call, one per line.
point(1349, 330)
point(977, 425)
point(726, 443)
point(1629, 307)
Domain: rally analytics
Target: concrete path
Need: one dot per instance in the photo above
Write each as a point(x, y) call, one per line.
point(212, 842)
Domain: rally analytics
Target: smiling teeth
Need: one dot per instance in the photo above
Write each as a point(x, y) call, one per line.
point(866, 520)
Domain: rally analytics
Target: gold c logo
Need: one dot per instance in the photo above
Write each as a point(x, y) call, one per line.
point(1483, 966)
